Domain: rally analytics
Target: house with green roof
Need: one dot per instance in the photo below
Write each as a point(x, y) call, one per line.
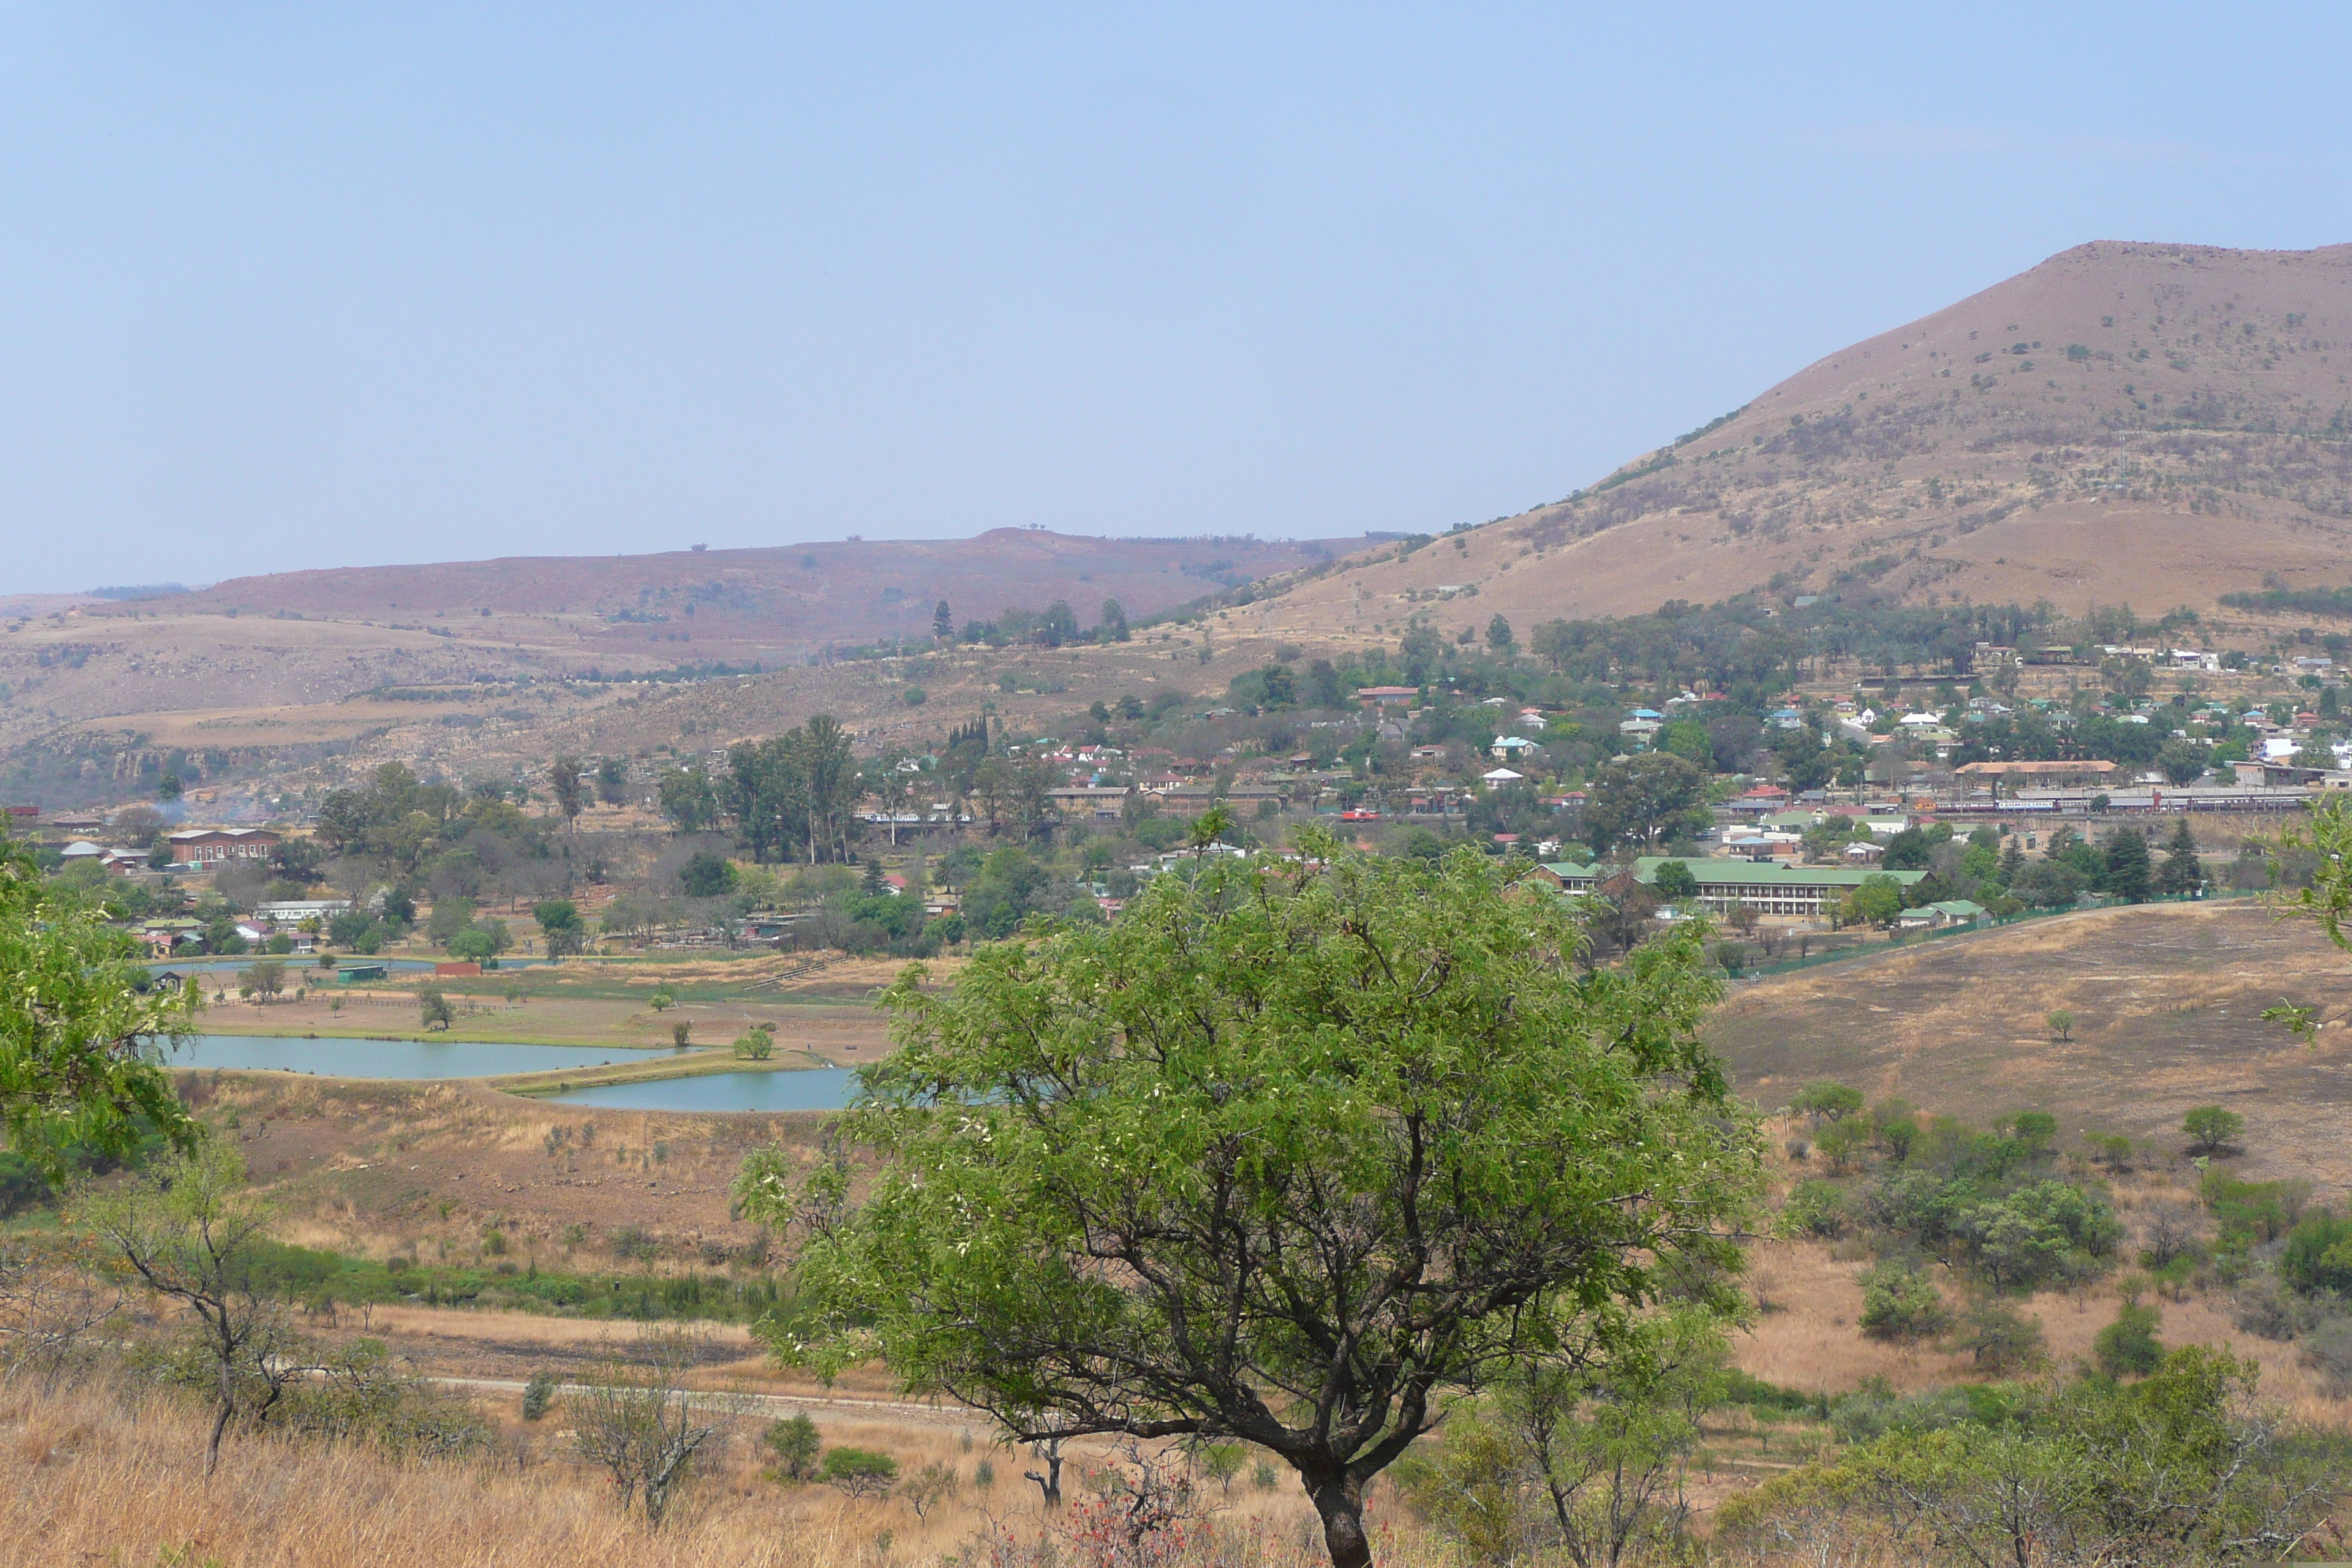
point(1766, 887)
point(1942, 913)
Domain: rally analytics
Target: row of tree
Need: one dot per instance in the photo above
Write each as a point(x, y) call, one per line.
point(1054, 626)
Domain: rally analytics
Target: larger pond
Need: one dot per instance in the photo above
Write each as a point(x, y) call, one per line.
point(391, 1058)
point(817, 1088)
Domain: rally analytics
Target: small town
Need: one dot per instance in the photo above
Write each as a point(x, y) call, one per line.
point(1027, 788)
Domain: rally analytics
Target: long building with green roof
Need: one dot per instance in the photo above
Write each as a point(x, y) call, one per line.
point(1767, 887)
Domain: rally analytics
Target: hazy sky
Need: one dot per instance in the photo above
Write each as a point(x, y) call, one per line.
point(300, 285)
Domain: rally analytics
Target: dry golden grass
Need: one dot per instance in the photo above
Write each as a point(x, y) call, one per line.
point(93, 1484)
point(100, 1477)
point(379, 1168)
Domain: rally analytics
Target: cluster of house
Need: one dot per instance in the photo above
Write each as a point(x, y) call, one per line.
point(300, 921)
point(1185, 786)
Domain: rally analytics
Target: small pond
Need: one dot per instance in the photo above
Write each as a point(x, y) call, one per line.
point(392, 1059)
point(817, 1088)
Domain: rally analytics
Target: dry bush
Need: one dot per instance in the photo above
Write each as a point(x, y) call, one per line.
point(55, 1310)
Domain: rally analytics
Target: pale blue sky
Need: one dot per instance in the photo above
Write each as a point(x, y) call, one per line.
point(298, 286)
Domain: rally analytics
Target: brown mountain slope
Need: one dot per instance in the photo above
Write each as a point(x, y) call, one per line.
point(299, 649)
point(2149, 424)
point(788, 598)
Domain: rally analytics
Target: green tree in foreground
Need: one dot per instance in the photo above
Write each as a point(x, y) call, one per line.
point(77, 1041)
point(1281, 1158)
point(2062, 1024)
point(433, 1009)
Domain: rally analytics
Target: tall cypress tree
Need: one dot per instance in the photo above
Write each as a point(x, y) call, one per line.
point(2182, 872)
point(2127, 866)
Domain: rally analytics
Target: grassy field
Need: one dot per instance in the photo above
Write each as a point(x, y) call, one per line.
point(826, 1016)
point(379, 1169)
point(2166, 1002)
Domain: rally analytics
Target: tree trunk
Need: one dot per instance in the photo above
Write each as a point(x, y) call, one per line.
point(1340, 1501)
point(212, 1448)
point(1050, 1483)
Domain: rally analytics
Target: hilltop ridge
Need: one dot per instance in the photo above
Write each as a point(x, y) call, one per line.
point(787, 599)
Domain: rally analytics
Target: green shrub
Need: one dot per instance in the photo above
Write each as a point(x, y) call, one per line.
point(537, 1395)
point(1874, 1409)
point(2042, 1232)
point(1998, 1337)
point(1828, 1100)
point(2318, 1255)
point(1896, 1124)
point(1815, 1207)
point(2252, 1213)
point(21, 1185)
point(795, 1442)
point(1899, 1302)
point(859, 1472)
point(1842, 1142)
point(2112, 1149)
point(1744, 1388)
point(2128, 1347)
point(2211, 1129)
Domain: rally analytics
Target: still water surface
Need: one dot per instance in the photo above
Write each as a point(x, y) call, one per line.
point(818, 1089)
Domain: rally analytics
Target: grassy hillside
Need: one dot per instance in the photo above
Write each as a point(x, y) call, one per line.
point(2167, 1001)
point(2151, 423)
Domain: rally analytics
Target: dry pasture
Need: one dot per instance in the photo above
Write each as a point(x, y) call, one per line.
point(2167, 1001)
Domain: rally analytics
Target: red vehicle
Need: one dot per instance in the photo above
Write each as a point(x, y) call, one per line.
point(1359, 815)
